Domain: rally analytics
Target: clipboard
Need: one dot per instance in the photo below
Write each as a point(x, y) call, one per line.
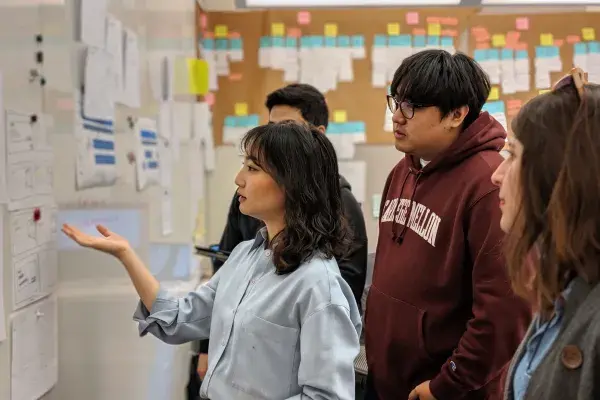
point(220, 255)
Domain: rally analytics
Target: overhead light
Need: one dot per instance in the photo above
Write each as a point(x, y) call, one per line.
point(348, 3)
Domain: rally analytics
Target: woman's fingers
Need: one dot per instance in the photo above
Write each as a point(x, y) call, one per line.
point(103, 230)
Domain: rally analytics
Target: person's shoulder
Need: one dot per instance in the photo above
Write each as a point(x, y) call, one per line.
point(320, 277)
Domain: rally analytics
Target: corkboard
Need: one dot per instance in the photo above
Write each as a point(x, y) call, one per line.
point(359, 98)
point(562, 27)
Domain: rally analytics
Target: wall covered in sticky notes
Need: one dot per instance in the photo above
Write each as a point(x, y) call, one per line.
point(274, 36)
point(525, 55)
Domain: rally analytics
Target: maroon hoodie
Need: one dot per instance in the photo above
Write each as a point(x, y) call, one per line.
point(440, 307)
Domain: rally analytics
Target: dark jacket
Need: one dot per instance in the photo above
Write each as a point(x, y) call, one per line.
point(571, 368)
point(440, 306)
point(353, 269)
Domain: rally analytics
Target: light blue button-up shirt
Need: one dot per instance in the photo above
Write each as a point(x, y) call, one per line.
point(272, 336)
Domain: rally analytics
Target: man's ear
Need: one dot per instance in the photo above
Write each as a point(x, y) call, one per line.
point(458, 116)
point(321, 128)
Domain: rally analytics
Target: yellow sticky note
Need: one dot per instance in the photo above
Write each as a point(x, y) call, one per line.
point(331, 29)
point(221, 31)
point(494, 94)
point(197, 76)
point(434, 29)
point(547, 39)
point(393, 29)
point(277, 29)
point(241, 109)
point(340, 116)
point(588, 33)
point(498, 40)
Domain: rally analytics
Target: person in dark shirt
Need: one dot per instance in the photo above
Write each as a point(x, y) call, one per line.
point(304, 103)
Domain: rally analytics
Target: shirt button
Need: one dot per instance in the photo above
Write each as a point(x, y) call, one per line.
point(268, 253)
point(571, 357)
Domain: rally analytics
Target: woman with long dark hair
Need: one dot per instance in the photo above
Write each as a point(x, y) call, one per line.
point(282, 322)
point(550, 201)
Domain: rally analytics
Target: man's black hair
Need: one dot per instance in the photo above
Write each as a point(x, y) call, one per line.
point(306, 98)
point(438, 78)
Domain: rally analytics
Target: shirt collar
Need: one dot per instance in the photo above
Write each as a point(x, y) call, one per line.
point(260, 239)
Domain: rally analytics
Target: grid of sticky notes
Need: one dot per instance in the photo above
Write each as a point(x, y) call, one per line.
point(222, 39)
point(241, 121)
point(435, 32)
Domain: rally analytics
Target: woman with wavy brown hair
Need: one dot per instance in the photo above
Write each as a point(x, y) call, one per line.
point(550, 201)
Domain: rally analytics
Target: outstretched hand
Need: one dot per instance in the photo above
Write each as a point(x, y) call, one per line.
point(109, 242)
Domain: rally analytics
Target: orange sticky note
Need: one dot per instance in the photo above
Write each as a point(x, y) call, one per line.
point(588, 34)
point(331, 30)
point(294, 32)
point(559, 42)
point(571, 39)
point(235, 77)
point(434, 29)
point(393, 29)
point(494, 94)
point(277, 29)
point(498, 40)
point(546, 39)
point(450, 32)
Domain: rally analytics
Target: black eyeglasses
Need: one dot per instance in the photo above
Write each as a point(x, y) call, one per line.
point(406, 108)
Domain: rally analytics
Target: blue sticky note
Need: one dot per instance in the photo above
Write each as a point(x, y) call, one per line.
point(222, 44)
point(291, 42)
point(540, 52)
point(361, 127)
point(508, 54)
point(306, 42)
point(580, 49)
point(433, 41)
point(230, 121)
point(358, 41)
point(493, 54)
point(208, 44)
point(480, 55)
point(329, 41)
point(236, 44)
point(333, 128)
point(253, 120)
point(318, 41)
point(265, 42)
point(522, 55)
point(447, 41)
point(494, 107)
point(343, 41)
point(419, 41)
point(594, 47)
point(277, 41)
point(380, 41)
point(399, 41)
point(553, 52)
point(241, 121)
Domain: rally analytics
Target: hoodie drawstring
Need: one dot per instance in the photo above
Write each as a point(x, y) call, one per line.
point(399, 238)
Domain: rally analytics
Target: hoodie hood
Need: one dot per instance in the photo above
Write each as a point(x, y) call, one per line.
point(485, 133)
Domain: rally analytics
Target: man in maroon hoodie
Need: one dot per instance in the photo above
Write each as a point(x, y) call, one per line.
point(442, 321)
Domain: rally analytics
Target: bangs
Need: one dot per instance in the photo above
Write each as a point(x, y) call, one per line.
point(253, 146)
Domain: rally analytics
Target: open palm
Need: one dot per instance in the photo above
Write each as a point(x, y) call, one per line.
point(109, 242)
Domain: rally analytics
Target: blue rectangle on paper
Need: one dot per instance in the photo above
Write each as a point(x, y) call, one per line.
point(222, 44)
point(265, 41)
point(329, 41)
point(494, 107)
point(493, 54)
point(252, 120)
point(433, 41)
point(400, 40)
point(208, 44)
point(593, 47)
point(343, 41)
point(317, 41)
point(277, 41)
point(447, 41)
point(146, 134)
point(105, 159)
point(419, 41)
point(580, 49)
point(358, 41)
point(306, 42)
point(291, 42)
point(361, 127)
point(148, 154)
point(152, 165)
point(236, 44)
point(507, 54)
point(522, 55)
point(103, 144)
point(333, 128)
point(480, 55)
point(229, 121)
point(380, 41)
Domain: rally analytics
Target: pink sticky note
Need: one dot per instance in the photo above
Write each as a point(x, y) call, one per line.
point(203, 21)
point(303, 18)
point(522, 24)
point(412, 18)
point(209, 98)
